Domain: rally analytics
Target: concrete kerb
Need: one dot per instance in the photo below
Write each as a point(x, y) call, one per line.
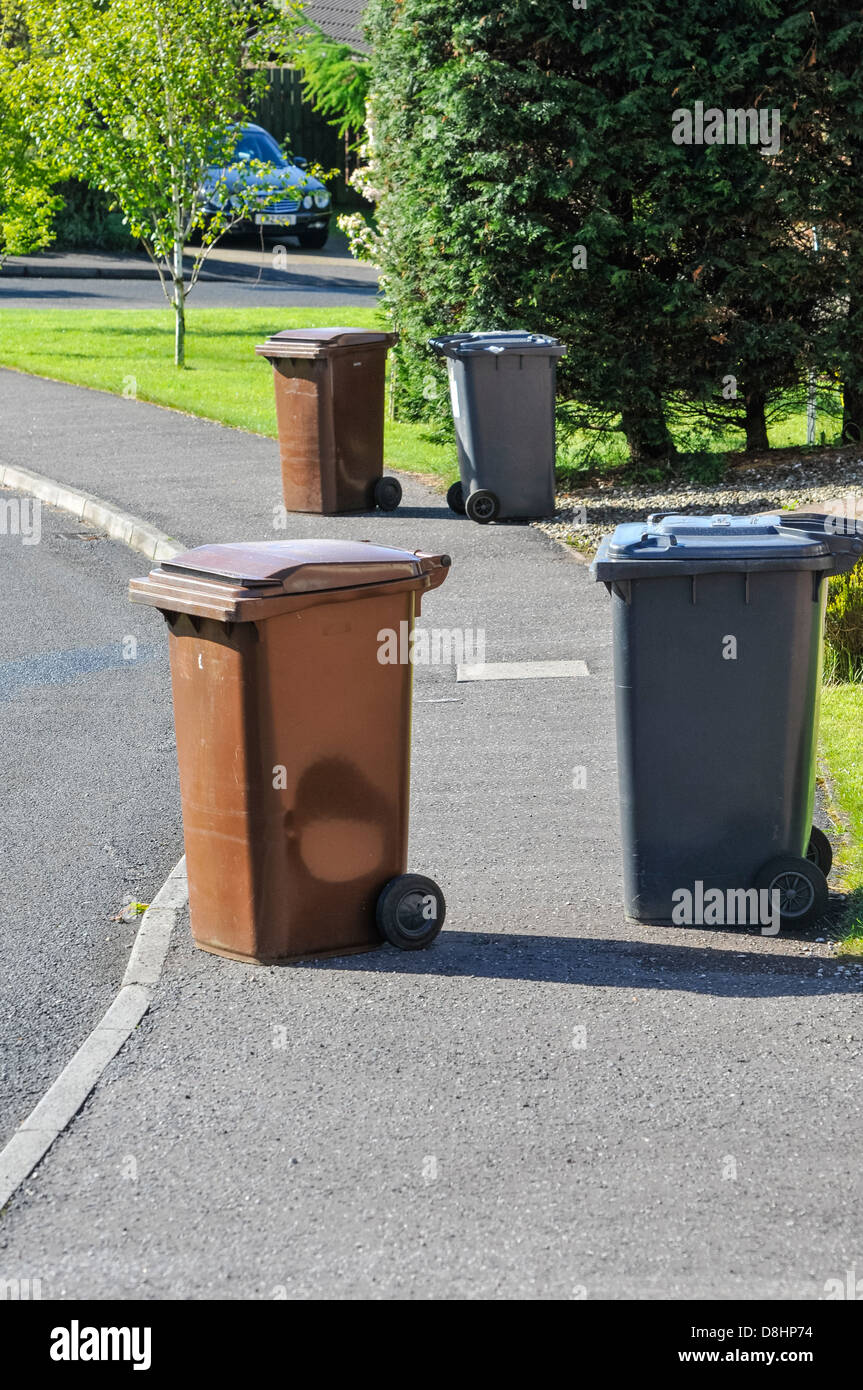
point(64, 1098)
point(119, 525)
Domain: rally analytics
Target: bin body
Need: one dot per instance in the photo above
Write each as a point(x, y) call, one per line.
point(293, 743)
point(718, 628)
point(329, 387)
point(502, 390)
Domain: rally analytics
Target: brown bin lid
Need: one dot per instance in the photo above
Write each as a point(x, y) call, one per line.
point(233, 579)
point(297, 567)
point(317, 342)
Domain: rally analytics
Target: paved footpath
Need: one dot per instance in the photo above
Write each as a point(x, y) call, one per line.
point(552, 1102)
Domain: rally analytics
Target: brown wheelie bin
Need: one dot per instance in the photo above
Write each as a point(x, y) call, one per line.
point(330, 414)
point(293, 740)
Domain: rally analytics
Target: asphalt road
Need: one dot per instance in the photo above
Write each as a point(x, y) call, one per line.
point(552, 1102)
point(313, 291)
point(90, 814)
point(237, 275)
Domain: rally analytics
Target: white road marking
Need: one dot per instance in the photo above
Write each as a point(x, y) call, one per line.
point(520, 670)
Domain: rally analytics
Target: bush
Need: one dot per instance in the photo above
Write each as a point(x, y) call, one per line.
point(87, 223)
point(844, 628)
point(528, 177)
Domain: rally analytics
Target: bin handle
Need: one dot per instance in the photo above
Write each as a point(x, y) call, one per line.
point(845, 546)
point(434, 567)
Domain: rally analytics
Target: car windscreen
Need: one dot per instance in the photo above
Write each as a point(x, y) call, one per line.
point(256, 144)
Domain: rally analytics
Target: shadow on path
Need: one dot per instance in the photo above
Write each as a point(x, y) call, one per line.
point(608, 963)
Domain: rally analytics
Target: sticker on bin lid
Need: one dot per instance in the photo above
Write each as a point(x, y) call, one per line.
point(301, 566)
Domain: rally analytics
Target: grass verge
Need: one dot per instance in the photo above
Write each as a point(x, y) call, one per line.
point(841, 722)
point(130, 352)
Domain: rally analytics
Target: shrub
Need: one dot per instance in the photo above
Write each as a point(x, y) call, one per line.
point(844, 627)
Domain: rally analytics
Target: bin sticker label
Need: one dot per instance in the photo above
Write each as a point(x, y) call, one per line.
point(453, 391)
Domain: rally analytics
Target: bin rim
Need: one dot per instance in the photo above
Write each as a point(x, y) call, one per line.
point(508, 340)
point(322, 342)
point(665, 545)
point(239, 581)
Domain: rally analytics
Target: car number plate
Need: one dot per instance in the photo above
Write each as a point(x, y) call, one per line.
point(275, 219)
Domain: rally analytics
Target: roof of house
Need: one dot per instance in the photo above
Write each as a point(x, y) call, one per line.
point(340, 19)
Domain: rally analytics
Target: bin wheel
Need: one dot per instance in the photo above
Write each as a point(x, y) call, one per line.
point(388, 494)
point(820, 850)
point(482, 506)
point(455, 498)
point(410, 911)
point(803, 893)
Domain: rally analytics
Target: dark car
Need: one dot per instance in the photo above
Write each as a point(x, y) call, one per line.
point(260, 168)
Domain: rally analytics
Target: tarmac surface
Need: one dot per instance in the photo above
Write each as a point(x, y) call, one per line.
point(550, 1102)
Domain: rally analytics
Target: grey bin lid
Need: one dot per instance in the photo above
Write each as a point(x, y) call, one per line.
point(508, 340)
point(665, 545)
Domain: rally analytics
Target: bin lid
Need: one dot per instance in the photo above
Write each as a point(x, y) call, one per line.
point(698, 544)
point(297, 567)
point(234, 579)
point(319, 342)
point(504, 340)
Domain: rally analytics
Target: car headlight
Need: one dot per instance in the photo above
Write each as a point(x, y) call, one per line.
point(322, 198)
point(307, 201)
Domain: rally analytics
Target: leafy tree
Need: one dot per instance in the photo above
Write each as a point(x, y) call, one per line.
point(744, 219)
point(834, 88)
point(520, 156)
point(335, 77)
point(137, 97)
point(527, 176)
point(27, 203)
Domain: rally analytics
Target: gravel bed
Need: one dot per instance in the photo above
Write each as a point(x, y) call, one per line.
point(584, 517)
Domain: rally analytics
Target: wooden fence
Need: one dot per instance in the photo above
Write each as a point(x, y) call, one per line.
point(282, 111)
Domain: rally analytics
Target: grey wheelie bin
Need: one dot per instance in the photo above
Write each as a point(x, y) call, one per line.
point(718, 628)
point(502, 388)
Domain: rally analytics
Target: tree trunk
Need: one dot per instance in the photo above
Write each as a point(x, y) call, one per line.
point(756, 422)
point(852, 385)
point(852, 413)
point(647, 435)
point(179, 302)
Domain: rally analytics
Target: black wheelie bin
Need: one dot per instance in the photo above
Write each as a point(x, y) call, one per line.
point(718, 635)
point(502, 388)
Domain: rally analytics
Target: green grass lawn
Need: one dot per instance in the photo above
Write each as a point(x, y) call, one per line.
point(131, 350)
point(842, 745)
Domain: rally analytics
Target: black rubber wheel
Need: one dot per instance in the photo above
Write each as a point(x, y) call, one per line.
point(411, 912)
point(482, 506)
point(388, 494)
point(455, 499)
point(820, 850)
point(803, 894)
point(313, 241)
